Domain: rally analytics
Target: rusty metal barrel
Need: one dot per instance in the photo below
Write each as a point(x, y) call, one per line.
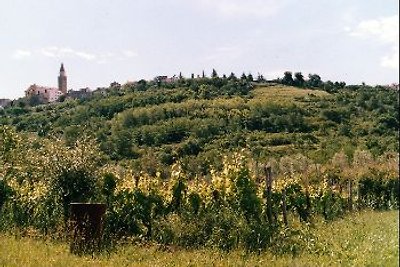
point(86, 224)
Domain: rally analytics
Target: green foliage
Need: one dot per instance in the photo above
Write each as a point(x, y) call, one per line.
point(5, 192)
point(379, 193)
point(122, 216)
point(74, 186)
point(108, 186)
point(246, 193)
point(45, 177)
point(287, 78)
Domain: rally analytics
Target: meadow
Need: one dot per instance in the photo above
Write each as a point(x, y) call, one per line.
point(367, 238)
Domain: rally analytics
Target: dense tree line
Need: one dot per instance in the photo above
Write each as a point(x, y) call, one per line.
point(313, 81)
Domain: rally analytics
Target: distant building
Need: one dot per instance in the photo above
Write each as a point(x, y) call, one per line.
point(82, 93)
point(114, 84)
point(4, 103)
point(166, 79)
point(62, 80)
point(49, 94)
point(394, 86)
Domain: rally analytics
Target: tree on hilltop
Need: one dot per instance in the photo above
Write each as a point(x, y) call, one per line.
point(214, 74)
point(260, 78)
point(232, 76)
point(299, 79)
point(314, 80)
point(287, 78)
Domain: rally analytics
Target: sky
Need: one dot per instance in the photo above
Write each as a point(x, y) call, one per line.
point(127, 40)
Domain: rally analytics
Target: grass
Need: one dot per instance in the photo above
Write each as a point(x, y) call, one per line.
point(285, 94)
point(362, 239)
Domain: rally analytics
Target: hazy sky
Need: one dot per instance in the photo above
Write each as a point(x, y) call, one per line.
point(100, 41)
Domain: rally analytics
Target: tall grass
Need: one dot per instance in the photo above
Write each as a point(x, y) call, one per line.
point(367, 238)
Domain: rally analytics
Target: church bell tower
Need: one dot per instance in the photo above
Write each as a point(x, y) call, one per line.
point(62, 80)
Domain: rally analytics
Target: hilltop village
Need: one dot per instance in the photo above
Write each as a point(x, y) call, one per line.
point(39, 94)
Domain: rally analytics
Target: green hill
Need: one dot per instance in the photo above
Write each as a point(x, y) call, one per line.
point(150, 126)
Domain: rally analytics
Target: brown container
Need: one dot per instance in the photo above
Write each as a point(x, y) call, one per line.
point(87, 227)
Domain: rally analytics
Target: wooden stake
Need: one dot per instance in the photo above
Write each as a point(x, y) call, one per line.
point(268, 176)
point(284, 209)
point(350, 196)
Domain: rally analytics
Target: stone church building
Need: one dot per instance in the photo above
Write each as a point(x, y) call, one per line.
point(49, 94)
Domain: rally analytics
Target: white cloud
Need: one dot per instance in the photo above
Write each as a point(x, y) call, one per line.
point(101, 58)
point(239, 8)
point(49, 52)
point(21, 54)
point(384, 30)
point(63, 52)
point(129, 53)
point(85, 55)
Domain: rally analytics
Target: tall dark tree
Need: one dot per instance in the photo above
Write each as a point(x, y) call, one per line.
point(287, 78)
point(329, 86)
point(232, 76)
point(141, 85)
point(314, 80)
point(260, 78)
point(214, 74)
point(299, 79)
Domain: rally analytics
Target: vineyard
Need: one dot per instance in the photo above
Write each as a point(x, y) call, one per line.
point(249, 204)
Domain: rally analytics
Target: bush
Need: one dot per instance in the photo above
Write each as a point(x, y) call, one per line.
point(5, 192)
point(74, 186)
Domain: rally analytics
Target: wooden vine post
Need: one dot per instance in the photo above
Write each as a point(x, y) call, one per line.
point(268, 176)
point(308, 200)
point(284, 207)
point(350, 194)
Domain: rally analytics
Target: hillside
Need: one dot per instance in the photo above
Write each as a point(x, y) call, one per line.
point(151, 126)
